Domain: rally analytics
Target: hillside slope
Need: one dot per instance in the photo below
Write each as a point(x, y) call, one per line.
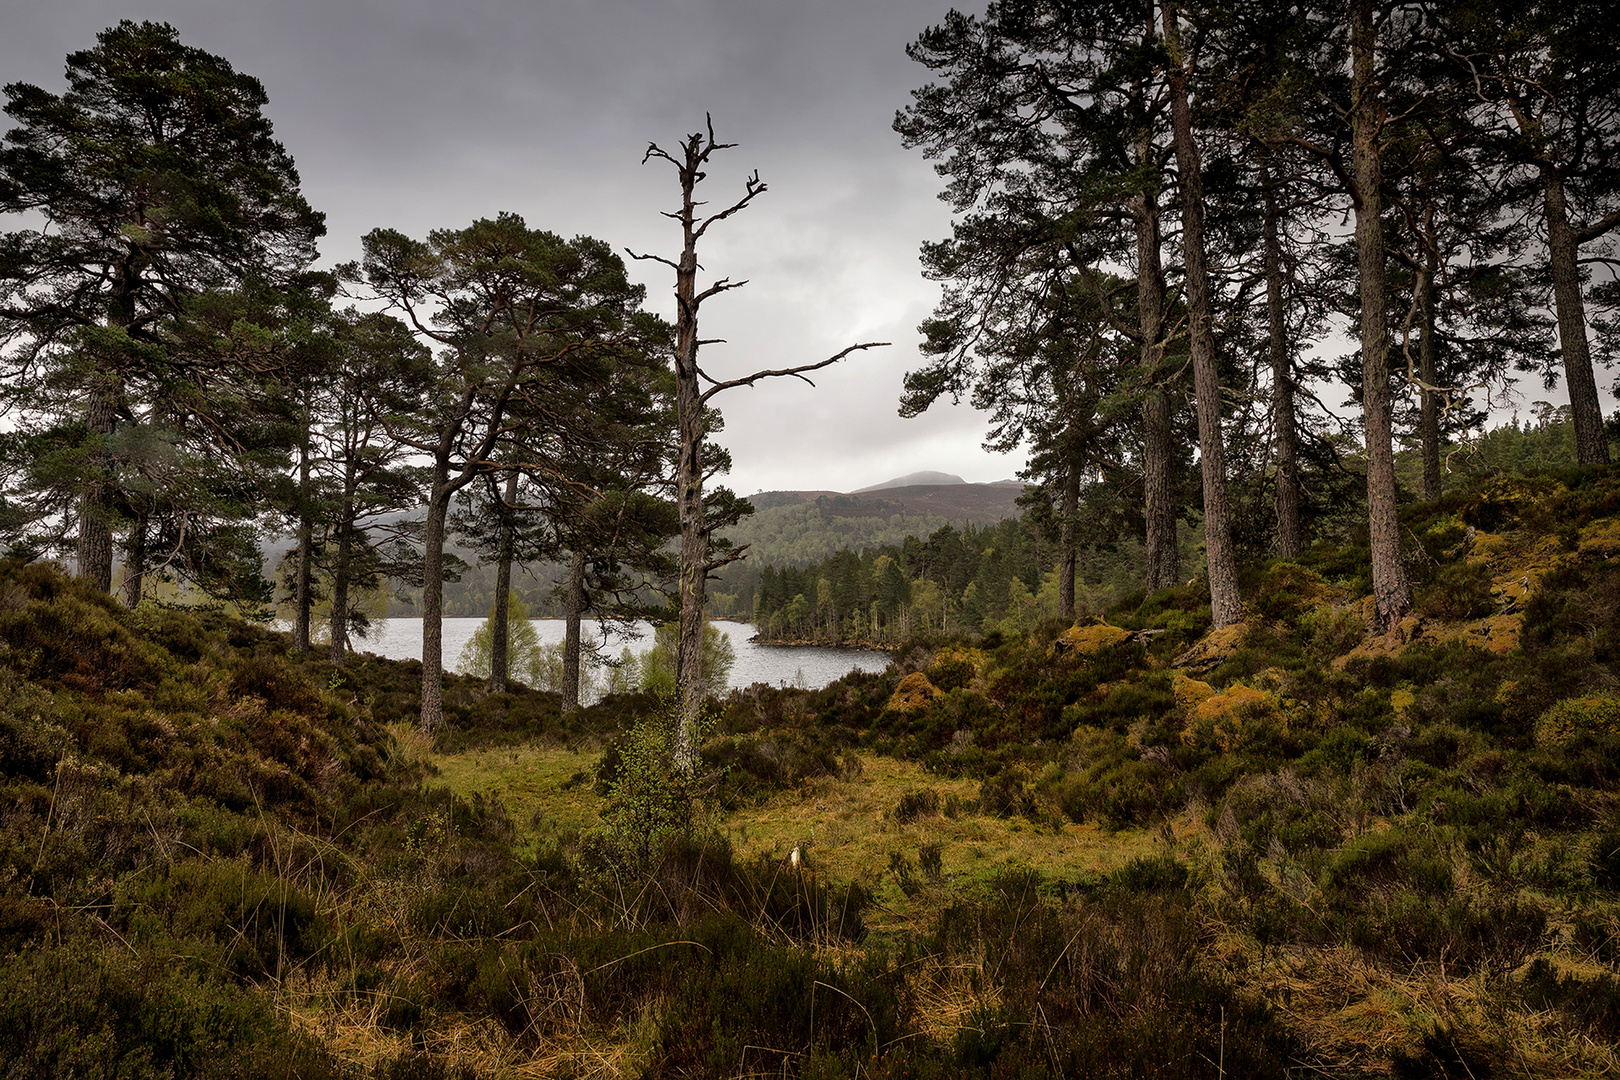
point(1131, 847)
point(792, 528)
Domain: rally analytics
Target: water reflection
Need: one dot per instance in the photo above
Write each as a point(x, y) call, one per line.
point(809, 666)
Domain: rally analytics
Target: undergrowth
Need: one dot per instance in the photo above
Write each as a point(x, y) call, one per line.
point(1367, 855)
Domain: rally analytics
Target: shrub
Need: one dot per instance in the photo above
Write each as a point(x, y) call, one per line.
point(647, 800)
point(70, 1011)
point(1286, 591)
point(257, 923)
point(1460, 590)
point(917, 803)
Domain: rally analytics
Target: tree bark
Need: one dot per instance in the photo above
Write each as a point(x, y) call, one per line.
point(337, 646)
point(1429, 374)
point(1390, 589)
point(1563, 250)
point(433, 601)
point(135, 562)
point(689, 502)
point(573, 612)
point(1066, 542)
point(694, 529)
point(1226, 605)
point(500, 638)
point(306, 551)
point(1158, 456)
point(96, 501)
point(1284, 421)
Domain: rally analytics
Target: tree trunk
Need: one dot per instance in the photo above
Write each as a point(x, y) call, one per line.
point(1226, 606)
point(1066, 542)
point(1429, 375)
point(1390, 589)
point(1563, 251)
point(337, 646)
point(306, 551)
point(1284, 422)
point(96, 500)
point(689, 490)
point(1158, 455)
point(433, 602)
point(135, 562)
point(573, 611)
point(500, 637)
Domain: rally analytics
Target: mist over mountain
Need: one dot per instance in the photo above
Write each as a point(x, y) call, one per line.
point(915, 479)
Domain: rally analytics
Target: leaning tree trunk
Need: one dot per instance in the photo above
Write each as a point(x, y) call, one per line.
point(1284, 420)
point(1226, 605)
point(573, 612)
point(1158, 453)
point(1390, 589)
point(500, 636)
point(1563, 250)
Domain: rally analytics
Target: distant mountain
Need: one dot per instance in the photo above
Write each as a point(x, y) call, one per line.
point(916, 479)
point(800, 527)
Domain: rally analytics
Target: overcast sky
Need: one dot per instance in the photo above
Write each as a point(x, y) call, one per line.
point(415, 115)
point(420, 114)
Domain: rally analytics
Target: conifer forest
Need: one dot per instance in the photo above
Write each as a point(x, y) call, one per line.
point(1276, 734)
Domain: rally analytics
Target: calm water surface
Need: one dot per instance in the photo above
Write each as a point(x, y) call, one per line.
point(792, 665)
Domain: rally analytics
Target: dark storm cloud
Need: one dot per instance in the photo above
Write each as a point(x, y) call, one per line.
point(418, 115)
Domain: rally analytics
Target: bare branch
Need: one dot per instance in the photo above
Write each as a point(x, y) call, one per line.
point(796, 372)
point(652, 258)
point(732, 555)
point(723, 285)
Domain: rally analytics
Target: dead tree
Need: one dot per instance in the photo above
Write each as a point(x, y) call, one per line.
point(694, 390)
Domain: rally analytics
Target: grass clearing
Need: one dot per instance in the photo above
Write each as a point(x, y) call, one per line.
point(545, 789)
point(846, 828)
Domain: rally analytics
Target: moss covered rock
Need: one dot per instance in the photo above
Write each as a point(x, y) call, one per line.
point(1089, 640)
point(914, 694)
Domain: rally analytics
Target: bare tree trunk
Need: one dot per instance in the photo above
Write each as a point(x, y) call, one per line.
point(500, 637)
point(690, 400)
point(1066, 542)
point(573, 611)
point(1284, 422)
point(135, 562)
point(1563, 250)
point(1392, 593)
point(690, 506)
point(1226, 606)
point(96, 500)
